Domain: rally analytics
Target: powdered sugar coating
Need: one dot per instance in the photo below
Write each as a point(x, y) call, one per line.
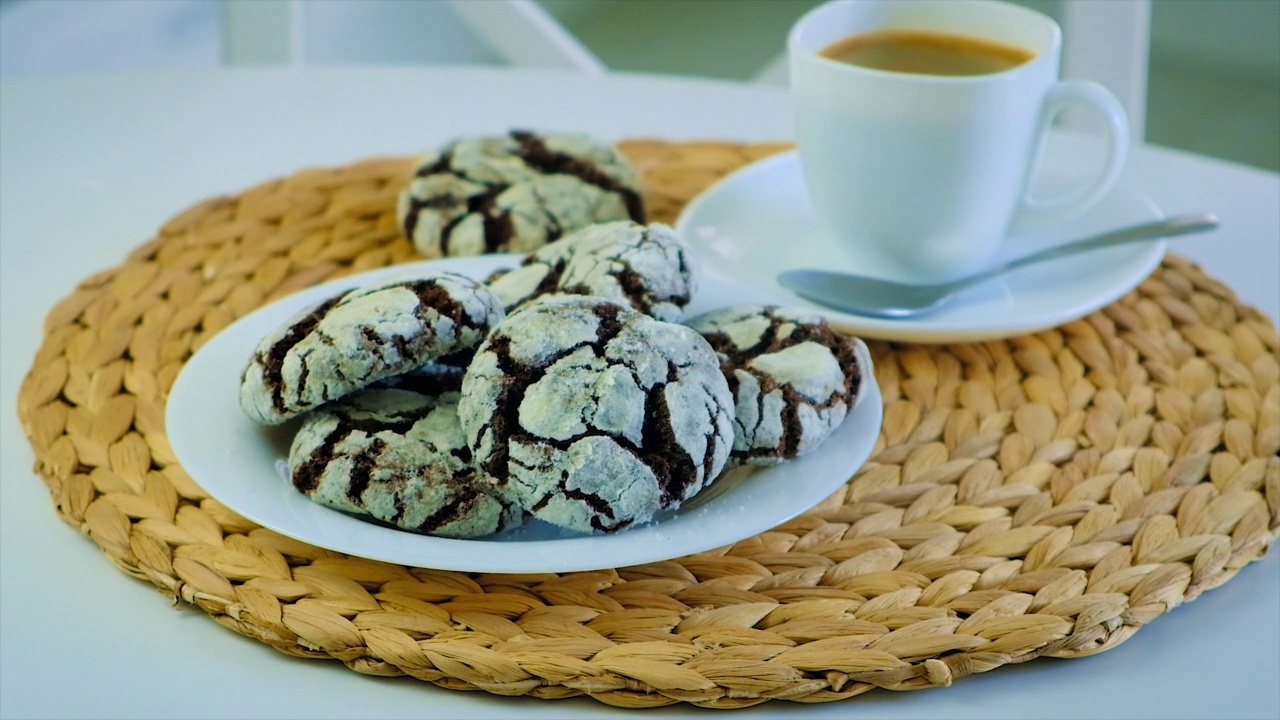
point(514, 193)
point(593, 416)
point(537, 275)
point(647, 267)
point(354, 339)
point(793, 378)
point(400, 457)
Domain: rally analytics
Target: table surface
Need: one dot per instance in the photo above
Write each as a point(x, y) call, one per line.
point(90, 167)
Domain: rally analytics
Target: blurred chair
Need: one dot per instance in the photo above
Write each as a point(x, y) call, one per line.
point(1110, 43)
point(517, 32)
point(1106, 41)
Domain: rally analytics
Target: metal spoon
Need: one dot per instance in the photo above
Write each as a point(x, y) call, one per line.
point(888, 299)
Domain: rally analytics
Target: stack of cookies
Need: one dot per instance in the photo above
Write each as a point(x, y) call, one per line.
point(570, 388)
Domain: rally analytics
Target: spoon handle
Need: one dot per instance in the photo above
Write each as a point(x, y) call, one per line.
point(1169, 227)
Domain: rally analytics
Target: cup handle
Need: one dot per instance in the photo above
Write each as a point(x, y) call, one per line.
point(1036, 212)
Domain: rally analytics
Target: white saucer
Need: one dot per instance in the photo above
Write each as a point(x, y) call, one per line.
point(244, 465)
point(758, 222)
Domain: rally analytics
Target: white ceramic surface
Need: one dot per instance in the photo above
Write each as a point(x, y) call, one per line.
point(244, 465)
point(918, 177)
point(738, 225)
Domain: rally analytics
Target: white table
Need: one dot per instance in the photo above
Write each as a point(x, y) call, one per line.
point(90, 167)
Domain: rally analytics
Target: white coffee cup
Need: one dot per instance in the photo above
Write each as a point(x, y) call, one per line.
point(921, 177)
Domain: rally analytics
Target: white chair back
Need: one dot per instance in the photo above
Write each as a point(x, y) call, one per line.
point(1106, 41)
point(518, 32)
point(1109, 42)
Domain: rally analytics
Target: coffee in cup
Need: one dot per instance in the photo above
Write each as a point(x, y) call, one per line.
point(919, 122)
point(926, 52)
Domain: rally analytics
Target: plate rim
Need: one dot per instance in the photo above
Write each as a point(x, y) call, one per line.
point(571, 554)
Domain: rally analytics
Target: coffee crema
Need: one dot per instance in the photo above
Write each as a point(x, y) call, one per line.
point(926, 52)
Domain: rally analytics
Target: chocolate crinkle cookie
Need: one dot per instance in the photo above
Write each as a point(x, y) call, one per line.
point(793, 377)
point(647, 267)
point(593, 416)
point(361, 336)
point(514, 193)
point(399, 457)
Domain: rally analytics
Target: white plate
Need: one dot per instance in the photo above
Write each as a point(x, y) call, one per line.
point(243, 465)
point(758, 222)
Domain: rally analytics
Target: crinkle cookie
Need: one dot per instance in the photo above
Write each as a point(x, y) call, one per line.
point(793, 377)
point(647, 267)
point(400, 457)
point(514, 193)
point(536, 275)
point(361, 336)
point(593, 416)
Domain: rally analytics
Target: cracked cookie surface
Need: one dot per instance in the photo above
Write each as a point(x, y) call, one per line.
point(514, 193)
point(793, 377)
point(399, 457)
point(647, 267)
point(593, 416)
point(364, 335)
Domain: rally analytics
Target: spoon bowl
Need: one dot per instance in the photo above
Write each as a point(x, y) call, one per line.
point(874, 297)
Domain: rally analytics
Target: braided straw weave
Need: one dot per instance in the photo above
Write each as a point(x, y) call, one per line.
point(1045, 495)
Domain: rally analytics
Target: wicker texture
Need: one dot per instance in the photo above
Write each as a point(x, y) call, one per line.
point(1045, 495)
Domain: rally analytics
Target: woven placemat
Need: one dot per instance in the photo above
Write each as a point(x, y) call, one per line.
point(1045, 495)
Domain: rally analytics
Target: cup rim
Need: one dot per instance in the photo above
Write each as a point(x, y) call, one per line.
point(806, 54)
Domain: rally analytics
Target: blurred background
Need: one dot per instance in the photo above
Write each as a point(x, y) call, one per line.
point(1213, 86)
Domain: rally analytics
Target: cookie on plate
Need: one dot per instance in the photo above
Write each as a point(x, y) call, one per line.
point(794, 378)
point(647, 267)
point(593, 416)
point(400, 457)
point(537, 274)
point(361, 336)
point(514, 193)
